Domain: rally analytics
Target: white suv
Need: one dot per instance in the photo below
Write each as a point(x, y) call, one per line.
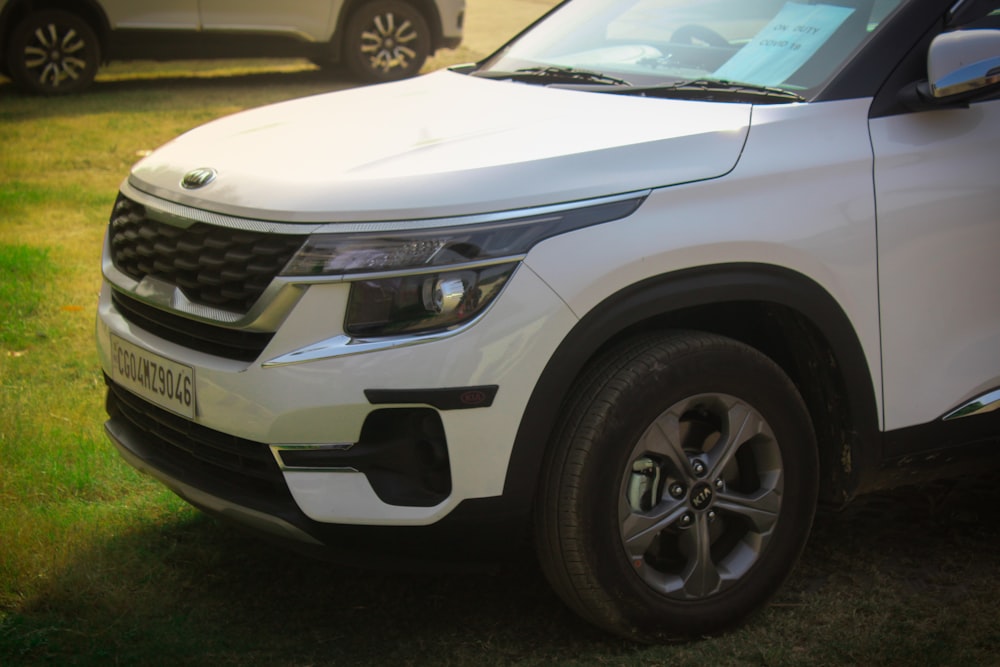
point(644, 287)
point(56, 47)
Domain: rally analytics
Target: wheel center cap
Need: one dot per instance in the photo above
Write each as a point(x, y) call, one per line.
point(702, 496)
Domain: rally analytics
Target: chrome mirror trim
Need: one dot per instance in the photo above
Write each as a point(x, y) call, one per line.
point(963, 61)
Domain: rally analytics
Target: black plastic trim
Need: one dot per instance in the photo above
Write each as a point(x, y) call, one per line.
point(911, 40)
point(221, 342)
point(224, 465)
point(868, 70)
point(451, 398)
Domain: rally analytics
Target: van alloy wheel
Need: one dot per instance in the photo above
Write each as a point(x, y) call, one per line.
point(53, 53)
point(386, 41)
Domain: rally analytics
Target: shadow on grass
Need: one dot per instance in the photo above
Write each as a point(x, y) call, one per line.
point(200, 81)
point(902, 577)
point(911, 575)
point(200, 592)
point(921, 529)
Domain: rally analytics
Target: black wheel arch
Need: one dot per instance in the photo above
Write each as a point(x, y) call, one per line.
point(784, 314)
point(88, 10)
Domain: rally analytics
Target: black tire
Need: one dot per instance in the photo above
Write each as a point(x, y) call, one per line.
point(53, 53)
point(660, 515)
point(386, 40)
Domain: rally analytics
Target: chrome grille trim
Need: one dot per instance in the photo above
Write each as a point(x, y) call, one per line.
point(179, 215)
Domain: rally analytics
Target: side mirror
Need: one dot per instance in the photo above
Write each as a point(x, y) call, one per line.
point(962, 66)
point(963, 63)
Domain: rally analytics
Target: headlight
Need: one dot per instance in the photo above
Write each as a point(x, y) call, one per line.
point(420, 303)
point(420, 280)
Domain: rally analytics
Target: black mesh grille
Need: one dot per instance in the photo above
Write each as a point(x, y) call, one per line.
point(222, 342)
point(215, 266)
point(199, 455)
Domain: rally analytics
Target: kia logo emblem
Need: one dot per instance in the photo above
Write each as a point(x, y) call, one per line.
point(198, 178)
point(473, 397)
point(701, 496)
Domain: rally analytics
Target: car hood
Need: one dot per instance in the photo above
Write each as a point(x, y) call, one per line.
point(444, 144)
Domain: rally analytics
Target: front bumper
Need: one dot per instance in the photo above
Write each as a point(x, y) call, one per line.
point(476, 532)
point(250, 411)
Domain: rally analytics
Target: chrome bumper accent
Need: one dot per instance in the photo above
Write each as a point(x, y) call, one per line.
point(988, 402)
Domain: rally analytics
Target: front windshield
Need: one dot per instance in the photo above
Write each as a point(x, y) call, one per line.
point(794, 46)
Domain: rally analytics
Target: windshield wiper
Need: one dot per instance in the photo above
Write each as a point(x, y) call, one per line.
point(710, 88)
point(553, 74)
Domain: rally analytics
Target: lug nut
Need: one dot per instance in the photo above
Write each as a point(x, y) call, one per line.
point(676, 490)
point(698, 467)
point(720, 484)
point(712, 515)
point(686, 521)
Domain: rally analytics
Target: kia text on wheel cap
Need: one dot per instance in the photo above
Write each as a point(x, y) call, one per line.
point(198, 178)
point(702, 496)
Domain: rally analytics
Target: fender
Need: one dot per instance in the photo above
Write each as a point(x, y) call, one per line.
point(662, 302)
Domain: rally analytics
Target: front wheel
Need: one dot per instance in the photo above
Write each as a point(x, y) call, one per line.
point(681, 488)
point(52, 53)
point(386, 40)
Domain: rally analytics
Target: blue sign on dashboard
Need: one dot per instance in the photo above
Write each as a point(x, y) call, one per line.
point(784, 45)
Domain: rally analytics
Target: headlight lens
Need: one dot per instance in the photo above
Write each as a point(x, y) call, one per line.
point(422, 303)
point(419, 249)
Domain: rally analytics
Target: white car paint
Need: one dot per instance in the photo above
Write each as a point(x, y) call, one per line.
point(798, 199)
point(935, 177)
point(308, 20)
point(175, 15)
point(495, 146)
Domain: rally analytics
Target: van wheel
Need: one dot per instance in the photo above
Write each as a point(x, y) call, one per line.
point(681, 487)
point(386, 40)
point(53, 53)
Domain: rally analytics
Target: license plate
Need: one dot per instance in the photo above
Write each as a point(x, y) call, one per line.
point(157, 379)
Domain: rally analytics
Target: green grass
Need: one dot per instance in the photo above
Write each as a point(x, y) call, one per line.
point(24, 271)
point(100, 566)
